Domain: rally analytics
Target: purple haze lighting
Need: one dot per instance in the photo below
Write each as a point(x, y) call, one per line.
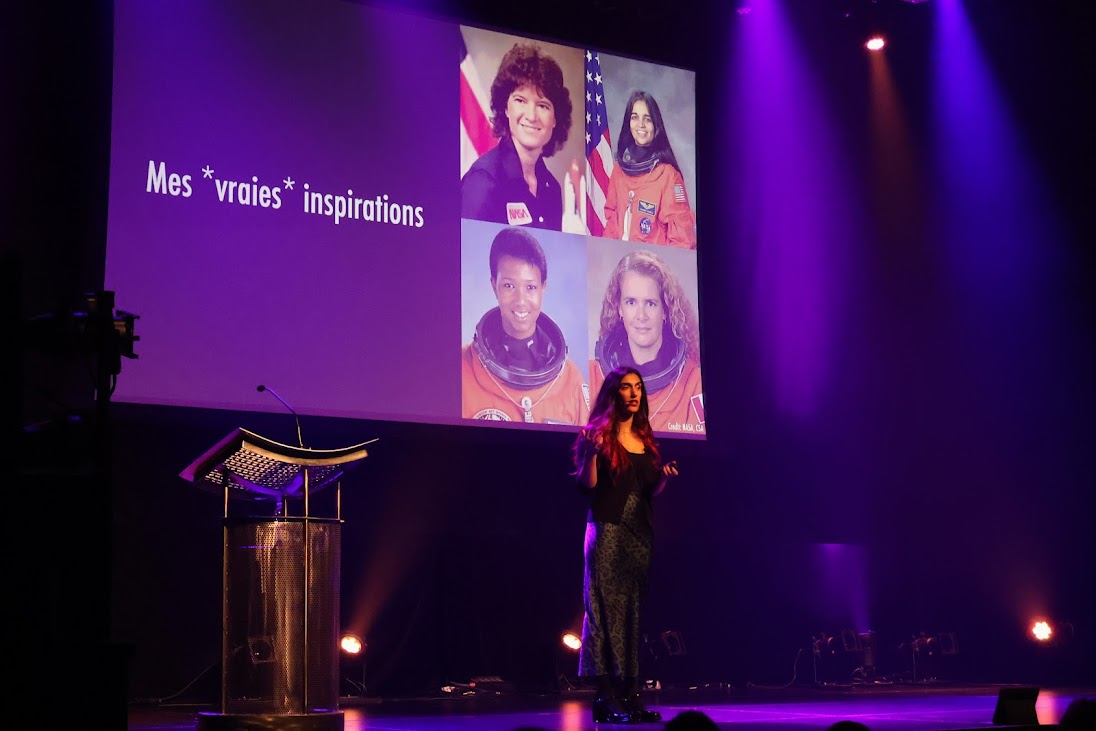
point(992, 207)
point(841, 584)
point(795, 233)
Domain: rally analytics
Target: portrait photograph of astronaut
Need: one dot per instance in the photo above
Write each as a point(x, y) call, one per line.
point(521, 130)
point(647, 190)
point(642, 309)
point(524, 341)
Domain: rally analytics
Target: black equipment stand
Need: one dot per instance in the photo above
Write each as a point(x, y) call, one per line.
point(280, 620)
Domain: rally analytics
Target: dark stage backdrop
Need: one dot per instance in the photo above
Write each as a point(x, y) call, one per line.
point(943, 483)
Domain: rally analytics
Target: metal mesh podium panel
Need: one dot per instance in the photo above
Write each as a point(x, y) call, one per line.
point(280, 645)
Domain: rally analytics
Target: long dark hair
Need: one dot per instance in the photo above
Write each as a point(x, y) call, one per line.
point(660, 143)
point(605, 420)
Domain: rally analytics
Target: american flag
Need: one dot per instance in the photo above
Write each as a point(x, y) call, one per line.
point(475, 123)
point(599, 148)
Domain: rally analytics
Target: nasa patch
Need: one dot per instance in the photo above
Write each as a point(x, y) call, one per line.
point(645, 226)
point(517, 214)
point(491, 415)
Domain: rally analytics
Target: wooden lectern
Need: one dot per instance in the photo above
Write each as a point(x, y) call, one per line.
point(280, 614)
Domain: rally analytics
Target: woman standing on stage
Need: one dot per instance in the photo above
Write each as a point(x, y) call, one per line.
point(619, 465)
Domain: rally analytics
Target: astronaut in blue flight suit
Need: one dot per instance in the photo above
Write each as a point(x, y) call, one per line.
point(531, 116)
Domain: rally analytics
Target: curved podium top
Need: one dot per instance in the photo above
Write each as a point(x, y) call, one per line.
point(256, 468)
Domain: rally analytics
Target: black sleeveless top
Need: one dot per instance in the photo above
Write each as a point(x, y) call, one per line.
point(611, 491)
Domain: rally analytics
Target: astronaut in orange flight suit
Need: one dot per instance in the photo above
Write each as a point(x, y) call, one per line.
point(675, 394)
point(659, 208)
point(516, 367)
point(647, 322)
point(646, 200)
point(495, 389)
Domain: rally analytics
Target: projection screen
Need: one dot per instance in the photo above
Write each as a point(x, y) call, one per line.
point(307, 196)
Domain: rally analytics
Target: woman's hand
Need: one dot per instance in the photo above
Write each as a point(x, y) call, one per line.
point(591, 442)
point(593, 436)
point(668, 470)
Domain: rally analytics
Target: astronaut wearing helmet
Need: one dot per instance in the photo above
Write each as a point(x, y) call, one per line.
point(516, 368)
point(647, 322)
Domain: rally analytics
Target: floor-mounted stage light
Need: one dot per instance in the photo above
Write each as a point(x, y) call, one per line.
point(828, 645)
point(1046, 631)
point(352, 664)
point(838, 657)
point(927, 652)
point(1049, 632)
point(351, 645)
point(570, 642)
point(1053, 652)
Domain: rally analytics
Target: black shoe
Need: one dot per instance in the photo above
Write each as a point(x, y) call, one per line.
point(610, 710)
point(634, 705)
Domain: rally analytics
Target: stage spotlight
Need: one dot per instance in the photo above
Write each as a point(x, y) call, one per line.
point(841, 657)
point(1044, 631)
point(934, 645)
point(925, 652)
point(875, 43)
point(570, 642)
point(1053, 653)
point(826, 644)
point(351, 644)
point(352, 666)
point(846, 641)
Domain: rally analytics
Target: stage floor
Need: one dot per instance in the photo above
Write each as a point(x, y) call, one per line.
point(894, 708)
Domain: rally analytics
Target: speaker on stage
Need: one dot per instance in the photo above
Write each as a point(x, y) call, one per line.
point(1016, 707)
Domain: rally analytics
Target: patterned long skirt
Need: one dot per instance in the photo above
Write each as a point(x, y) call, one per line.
point(618, 561)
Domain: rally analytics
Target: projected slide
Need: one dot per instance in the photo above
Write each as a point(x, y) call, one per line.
point(386, 216)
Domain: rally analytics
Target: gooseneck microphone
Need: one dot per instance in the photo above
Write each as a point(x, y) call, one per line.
point(260, 388)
